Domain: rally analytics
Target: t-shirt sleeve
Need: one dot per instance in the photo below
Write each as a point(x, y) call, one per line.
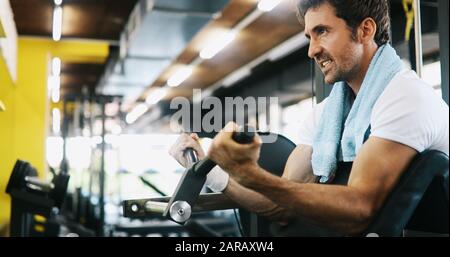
point(407, 113)
point(309, 123)
point(306, 130)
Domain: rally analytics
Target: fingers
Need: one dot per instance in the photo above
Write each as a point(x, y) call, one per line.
point(178, 144)
point(257, 140)
point(227, 132)
point(223, 144)
point(194, 136)
point(183, 142)
point(230, 128)
point(191, 144)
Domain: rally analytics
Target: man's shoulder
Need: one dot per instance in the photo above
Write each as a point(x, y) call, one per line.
point(406, 87)
point(410, 112)
point(408, 99)
point(408, 80)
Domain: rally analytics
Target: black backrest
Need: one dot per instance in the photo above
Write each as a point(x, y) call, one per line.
point(274, 155)
point(420, 199)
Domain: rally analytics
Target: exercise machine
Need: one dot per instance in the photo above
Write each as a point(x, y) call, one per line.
point(34, 202)
point(418, 204)
point(187, 198)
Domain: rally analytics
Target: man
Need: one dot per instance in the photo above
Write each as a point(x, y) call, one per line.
point(349, 41)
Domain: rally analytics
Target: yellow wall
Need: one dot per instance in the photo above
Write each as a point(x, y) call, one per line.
point(2, 31)
point(23, 125)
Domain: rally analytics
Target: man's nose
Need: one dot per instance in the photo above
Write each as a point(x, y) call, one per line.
point(314, 49)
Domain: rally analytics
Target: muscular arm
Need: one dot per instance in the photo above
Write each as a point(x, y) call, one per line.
point(298, 169)
point(348, 209)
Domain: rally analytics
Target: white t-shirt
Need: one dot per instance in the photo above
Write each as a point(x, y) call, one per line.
point(408, 111)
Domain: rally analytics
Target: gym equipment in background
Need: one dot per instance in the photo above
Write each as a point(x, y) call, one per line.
point(33, 201)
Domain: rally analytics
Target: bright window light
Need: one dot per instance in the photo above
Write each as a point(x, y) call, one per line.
point(217, 45)
point(236, 76)
point(180, 76)
point(294, 116)
point(56, 66)
point(79, 152)
point(112, 109)
point(268, 5)
point(116, 129)
point(156, 95)
point(139, 153)
point(54, 151)
point(96, 140)
point(58, 2)
point(54, 86)
point(54, 82)
point(57, 23)
point(137, 112)
point(55, 95)
point(56, 120)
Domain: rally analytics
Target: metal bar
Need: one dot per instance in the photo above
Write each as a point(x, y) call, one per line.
point(183, 12)
point(255, 14)
point(443, 46)
point(155, 207)
point(150, 184)
point(102, 171)
point(188, 188)
point(91, 133)
point(45, 186)
point(191, 157)
point(418, 37)
point(148, 58)
point(65, 128)
point(206, 202)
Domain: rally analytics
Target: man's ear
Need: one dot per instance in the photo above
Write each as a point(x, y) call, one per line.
point(367, 30)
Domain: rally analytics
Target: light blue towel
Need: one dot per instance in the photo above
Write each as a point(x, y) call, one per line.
point(335, 122)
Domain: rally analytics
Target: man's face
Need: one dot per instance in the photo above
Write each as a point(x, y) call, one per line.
point(331, 44)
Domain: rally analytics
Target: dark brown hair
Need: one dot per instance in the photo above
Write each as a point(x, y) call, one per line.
point(353, 12)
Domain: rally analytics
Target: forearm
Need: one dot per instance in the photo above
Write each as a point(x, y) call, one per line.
point(256, 202)
point(337, 207)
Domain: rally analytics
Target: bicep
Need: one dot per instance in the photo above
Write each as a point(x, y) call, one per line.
point(377, 168)
point(298, 166)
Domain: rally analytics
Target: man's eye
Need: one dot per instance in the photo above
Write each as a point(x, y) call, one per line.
point(321, 32)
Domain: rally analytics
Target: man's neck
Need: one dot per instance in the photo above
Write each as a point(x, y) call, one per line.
point(356, 82)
